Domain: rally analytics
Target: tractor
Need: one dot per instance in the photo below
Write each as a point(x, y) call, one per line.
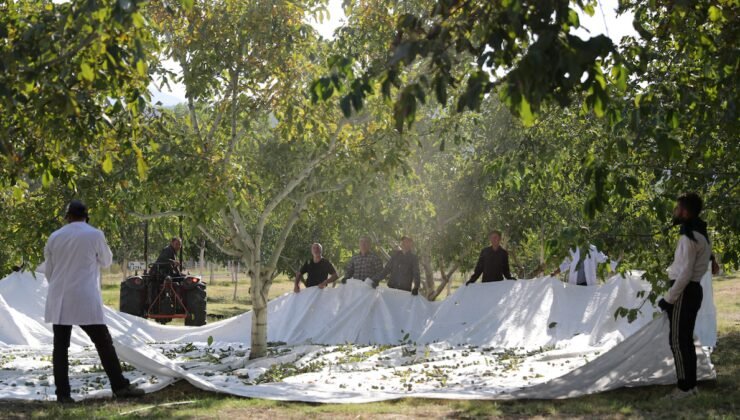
point(163, 293)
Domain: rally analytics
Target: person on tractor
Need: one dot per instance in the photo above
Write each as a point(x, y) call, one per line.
point(167, 263)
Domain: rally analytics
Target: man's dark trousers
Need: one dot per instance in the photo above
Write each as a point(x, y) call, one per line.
point(683, 319)
point(100, 336)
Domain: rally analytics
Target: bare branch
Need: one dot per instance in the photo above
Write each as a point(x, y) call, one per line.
point(194, 120)
point(236, 234)
point(295, 215)
point(239, 224)
point(452, 218)
point(296, 181)
point(152, 216)
point(446, 278)
point(216, 122)
point(234, 112)
point(227, 251)
point(380, 249)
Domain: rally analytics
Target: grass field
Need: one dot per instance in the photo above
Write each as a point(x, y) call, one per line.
point(717, 399)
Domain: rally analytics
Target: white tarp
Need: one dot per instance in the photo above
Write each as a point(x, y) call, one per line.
point(536, 338)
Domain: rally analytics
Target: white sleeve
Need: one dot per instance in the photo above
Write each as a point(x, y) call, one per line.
point(684, 265)
point(48, 262)
point(600, 257)
point(105, 256)
point(565, 265)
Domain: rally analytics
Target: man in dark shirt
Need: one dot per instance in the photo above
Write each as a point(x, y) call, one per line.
point(493, 262)
point(167, 263)
point(320, 271)
point(363, 265)
point(403, 268)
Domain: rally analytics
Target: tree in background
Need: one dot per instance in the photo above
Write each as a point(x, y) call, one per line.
point(73, 84)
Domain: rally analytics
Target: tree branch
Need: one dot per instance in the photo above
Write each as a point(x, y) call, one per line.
point(212, 131)
point(296, 181)
point(227, 251)
point(194, 120)
point(295, 215)
point(241, 227)
point(152, 216)
point(65, 56)
point(234, 112)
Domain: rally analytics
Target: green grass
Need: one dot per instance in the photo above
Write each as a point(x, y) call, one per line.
point(717, 399)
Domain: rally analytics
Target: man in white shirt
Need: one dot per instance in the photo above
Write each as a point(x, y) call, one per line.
point(582, 271)
point(74, 255)
point(683, 299)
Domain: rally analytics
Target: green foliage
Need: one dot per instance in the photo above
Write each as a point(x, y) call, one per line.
point(525, 47)
point(280, 371)
point(70, 91)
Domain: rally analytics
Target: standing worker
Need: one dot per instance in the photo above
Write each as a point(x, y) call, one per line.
point(320, 271)
point(403, 268)
point(74, 256)
point(493, 261)
point(683, 299)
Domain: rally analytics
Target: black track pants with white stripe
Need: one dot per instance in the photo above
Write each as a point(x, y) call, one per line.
point(683, 319)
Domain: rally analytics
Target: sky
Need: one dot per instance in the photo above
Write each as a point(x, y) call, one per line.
point(604, 21)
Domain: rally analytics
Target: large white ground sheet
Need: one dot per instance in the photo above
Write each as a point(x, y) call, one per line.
point(536, 338)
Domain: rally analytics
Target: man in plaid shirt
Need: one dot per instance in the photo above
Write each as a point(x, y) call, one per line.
point(363, 265)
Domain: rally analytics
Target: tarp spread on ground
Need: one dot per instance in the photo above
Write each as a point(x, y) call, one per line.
point(536, 338)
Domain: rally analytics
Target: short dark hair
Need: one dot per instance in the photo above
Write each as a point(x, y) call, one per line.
point(403, 238)
point(691, 202)
point(175, 238)
point(76, 209)
point(497, 232)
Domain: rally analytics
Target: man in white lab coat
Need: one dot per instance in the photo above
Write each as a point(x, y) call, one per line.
point(582, 270)
point(74, 255)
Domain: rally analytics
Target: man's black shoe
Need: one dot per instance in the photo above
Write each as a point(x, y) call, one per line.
point(130, 391)
point(65, 400)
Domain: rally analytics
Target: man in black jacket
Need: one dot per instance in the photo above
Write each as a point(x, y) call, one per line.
point(493, 262)
point(403, 268)
point(167, 263)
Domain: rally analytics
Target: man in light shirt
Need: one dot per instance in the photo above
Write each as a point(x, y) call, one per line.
point(683, 299)
point(582, 269)
point(74, 256)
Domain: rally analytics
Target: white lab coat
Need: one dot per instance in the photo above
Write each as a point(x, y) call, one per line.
point(74, 256)
point(593, 259)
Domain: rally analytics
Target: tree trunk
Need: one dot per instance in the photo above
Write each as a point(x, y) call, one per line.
point(210, 269)
point(202, 257)
point(446, 280)
point(124, 268)
point(258, 346)
point(236, 280)
point(428, 283)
